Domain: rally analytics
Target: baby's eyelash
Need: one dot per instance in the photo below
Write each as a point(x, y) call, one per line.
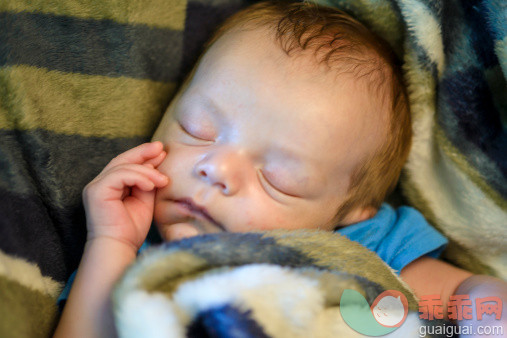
point(191, 134)
point(184, 129)
point(262, 177)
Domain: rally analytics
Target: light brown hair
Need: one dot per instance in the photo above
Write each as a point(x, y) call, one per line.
point(346, 46)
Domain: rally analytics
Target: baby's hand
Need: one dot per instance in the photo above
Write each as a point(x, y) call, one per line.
point(119, 201)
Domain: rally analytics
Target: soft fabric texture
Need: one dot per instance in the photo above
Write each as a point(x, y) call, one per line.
point(275, 284)
point(82, 81)
point(454, 56)
point(398, 236)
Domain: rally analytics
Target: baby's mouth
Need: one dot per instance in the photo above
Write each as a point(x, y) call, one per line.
point(198, 211)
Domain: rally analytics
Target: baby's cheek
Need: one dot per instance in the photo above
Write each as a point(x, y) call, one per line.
point(279, 222)
point(267, 222)
point(247, 220)
point(242, 223)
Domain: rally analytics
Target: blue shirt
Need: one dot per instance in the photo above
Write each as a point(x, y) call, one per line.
point(398, 236)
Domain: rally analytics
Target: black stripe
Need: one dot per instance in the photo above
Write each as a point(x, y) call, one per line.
point(86, 46)
point(472, 123)
point(28, 230)
point(58, 166)
point(42, 175)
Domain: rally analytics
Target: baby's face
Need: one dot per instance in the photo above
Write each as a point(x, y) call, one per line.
point(258, 140)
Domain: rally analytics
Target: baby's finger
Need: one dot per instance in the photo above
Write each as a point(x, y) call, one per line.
point(142, 202)
point(112, 187)
point(117, 181)
point(144, 197)
point(137, 155)
point(155, 162)
point(147, 170)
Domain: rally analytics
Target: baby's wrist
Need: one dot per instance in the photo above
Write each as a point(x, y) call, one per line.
point(114, 232)
point(111, 243)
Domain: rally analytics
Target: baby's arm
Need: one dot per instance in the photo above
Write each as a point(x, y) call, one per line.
point(119, 210)
point(428, 276)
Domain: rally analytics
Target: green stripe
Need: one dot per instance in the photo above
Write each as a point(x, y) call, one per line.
point(25, 155)
point(25, 312)
point(75, 104)
point(160, 13)
point(466, 168)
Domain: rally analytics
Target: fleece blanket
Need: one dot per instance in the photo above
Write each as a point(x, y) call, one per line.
point(274, 284)
point(81, 81)
point(454, 56)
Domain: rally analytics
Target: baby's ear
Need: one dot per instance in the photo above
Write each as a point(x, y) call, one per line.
point(358, 215)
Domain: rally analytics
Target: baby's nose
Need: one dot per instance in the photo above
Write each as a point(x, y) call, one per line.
point(225, 169)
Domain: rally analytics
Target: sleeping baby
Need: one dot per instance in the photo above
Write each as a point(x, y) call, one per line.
point(295, 117)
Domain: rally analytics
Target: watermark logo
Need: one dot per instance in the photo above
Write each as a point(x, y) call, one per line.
point(388, 311)
point(390, 308)
point(459, 307)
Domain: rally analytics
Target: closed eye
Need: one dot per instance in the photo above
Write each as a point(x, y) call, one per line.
point(191, 134)
point(266, 182)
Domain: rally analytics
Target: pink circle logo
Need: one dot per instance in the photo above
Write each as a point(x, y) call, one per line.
point(390, 308)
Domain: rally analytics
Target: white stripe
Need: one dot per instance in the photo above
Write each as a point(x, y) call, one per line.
point(425, 29)
point(28, 275)
point(464, 213)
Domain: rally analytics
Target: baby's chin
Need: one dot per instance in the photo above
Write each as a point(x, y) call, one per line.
point(179, 231)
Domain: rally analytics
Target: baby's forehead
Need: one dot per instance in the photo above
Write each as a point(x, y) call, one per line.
point(258, 47)
point(318, 56)
point(260, 42)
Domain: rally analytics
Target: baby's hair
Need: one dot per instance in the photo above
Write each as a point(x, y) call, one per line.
point(345, 46)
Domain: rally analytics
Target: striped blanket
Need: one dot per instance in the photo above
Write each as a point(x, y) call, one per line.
point(82, 81)
point(266, 284)
point(454, 56)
